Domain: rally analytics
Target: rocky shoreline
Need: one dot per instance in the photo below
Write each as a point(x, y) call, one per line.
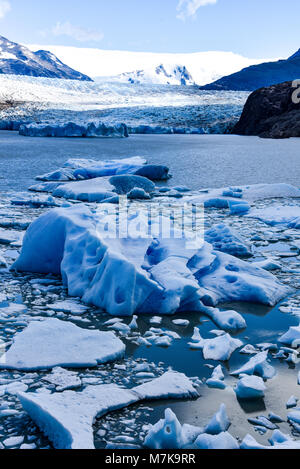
point(271, 113)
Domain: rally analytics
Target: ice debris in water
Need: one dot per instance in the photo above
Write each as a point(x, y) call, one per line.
point(258, 365)
point(168, 433)
point(225, 239)
point(67, 418)
point(50, 343)
point(72, 129)
point(130, 275)
point(292, 337)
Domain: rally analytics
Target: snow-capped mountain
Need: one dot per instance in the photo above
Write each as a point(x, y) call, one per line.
point(204, 67)
point(16, 59)
point(163, 74)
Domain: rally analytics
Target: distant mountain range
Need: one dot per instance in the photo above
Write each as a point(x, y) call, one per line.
point(163, 74)
point(16, 59)
point(259, 76)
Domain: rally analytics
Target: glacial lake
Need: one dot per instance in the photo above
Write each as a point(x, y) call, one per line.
point(197, 162)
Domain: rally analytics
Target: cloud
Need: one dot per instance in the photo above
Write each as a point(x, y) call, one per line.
point(189, 8)
point(76, 32)
point(5, 7)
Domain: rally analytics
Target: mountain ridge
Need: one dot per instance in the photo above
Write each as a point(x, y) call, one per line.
point(16, 59)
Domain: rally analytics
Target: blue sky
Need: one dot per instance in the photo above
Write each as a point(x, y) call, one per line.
point(253, 28)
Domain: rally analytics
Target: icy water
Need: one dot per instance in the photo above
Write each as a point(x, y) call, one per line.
point(198, 162)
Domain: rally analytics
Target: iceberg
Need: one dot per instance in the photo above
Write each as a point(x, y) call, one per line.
point(138, 272)
point(67, 418)
point(51, 343)
point(78, 169)
point(258, 365)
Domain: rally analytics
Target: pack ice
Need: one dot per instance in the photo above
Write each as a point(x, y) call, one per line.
point(137, 273)
point(67, 418)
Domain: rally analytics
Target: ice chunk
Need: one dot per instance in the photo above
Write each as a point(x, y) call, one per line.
point(250, 387)
point(168, 433)
point(278, 441)
point(227, 320)
point(67, 417)
point(78, 169)
point(221, 441)
point(292, 337)
point(63, 379)
point(217, 379)
point(100, 189)
point(219, 423)
point(292, 402)
point(52, 343)
point(257, 365)
point(220, 348)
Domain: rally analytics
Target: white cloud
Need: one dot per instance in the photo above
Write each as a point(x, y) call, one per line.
point(76, 32)
point(5, 7)
point(189, 8)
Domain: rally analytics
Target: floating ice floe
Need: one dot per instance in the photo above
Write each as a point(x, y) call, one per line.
point(82, 169)
point(168, 433)
point(250, 387)
point(138, 273)
point(50, 343)
point(71, 129)
point(286, 215)
point(278, 441)
point(220, 348)
point(259, 365)
point(67, 418)
point(225, 239)
point(105, 189)
point(267, 264)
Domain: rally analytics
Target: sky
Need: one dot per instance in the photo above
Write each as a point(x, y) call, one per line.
point(252, 28)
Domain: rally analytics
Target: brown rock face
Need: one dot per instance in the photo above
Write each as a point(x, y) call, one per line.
point(271, 113)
